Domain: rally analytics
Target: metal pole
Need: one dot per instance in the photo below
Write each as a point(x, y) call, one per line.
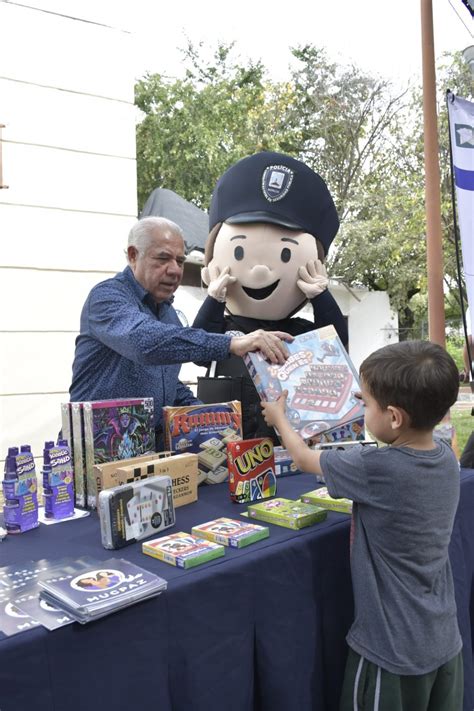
point(434, 249)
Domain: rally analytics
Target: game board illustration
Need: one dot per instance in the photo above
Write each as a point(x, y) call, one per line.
point(321, 381)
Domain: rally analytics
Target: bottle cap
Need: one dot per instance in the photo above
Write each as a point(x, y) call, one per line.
point(25, 448)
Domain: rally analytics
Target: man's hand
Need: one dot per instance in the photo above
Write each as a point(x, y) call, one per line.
point(274, 412)
point(271, 343)
point(217, 281)
point(313, 278)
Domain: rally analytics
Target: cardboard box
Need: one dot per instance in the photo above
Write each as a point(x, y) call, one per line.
point(105, 474)
point(182, 468)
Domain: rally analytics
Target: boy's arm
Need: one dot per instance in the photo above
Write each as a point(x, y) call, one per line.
point(305, 459)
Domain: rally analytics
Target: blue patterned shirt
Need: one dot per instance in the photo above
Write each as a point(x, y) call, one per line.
point(130, 346)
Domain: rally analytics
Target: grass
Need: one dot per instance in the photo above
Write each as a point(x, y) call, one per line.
point(463, 423)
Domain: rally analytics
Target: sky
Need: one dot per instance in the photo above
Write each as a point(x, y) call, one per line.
point(380, 37)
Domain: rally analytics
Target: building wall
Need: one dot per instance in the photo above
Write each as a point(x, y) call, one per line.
point(68, 149)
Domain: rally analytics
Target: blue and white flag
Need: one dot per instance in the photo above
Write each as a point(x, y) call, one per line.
point(461, 123)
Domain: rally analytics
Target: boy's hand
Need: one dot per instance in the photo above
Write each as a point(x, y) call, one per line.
point(274, 412)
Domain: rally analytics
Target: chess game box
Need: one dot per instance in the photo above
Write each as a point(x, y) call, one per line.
point(251, 470)
point(229, 532)
point(287, 513)
point(204, 430)
point(115, 429)
point(321, 381)
point(181, 468)
point(183, 549)
point(131, 512)
point(321, 497)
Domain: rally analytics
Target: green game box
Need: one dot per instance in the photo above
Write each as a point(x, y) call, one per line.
point(320, 497)
point(230, 532)
point(182, 549)
point(287, 513)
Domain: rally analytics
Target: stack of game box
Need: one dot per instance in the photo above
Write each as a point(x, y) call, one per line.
point(287, 513)
point(87, 592)
point(321, 382)
point(204, 430)
point(103, 431)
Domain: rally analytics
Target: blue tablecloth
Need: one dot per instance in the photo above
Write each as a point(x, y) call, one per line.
point(262, 629)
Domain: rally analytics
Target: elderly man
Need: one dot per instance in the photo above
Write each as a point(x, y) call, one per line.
point(131, 342)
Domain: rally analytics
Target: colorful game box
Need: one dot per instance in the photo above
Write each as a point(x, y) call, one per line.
point(183, 549)
point(321, 381)
point(251, 470)
point(320, 497)
point(230, 532)
point(115, 429)
point(284, 464)
point(131, 512)
point(204, 430)
point(287, 513)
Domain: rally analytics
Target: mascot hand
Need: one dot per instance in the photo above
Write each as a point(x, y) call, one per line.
point(313, 279)
point(217, 281)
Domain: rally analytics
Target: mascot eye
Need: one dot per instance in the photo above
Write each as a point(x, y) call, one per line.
point(285, 254)
point(239, 253)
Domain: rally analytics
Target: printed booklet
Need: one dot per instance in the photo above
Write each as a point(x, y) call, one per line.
point(321, 381)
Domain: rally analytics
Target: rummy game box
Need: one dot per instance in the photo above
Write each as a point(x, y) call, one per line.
point(321, 381)
point(229, 532)
point(204, 430)
point(183, 549)
point(321, 497)
point(287, 513)
point(251, 470)
point(110, 430)
point(131, 512)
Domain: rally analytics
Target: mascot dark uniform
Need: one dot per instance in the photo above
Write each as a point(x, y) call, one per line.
point(271, 220)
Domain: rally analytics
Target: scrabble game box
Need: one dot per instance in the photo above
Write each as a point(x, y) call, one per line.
point(251, 470)
point(131, 512)
point(204, 430)
point(183, 549)
point(287, 513)
point(321, 381)
point(230, 532)
point(320, 497)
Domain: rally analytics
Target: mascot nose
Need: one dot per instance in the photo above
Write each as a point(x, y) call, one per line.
point(261, 274)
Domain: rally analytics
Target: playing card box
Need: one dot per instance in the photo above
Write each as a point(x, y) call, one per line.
point(230, 532)
point(321, 497)
point(251, 470)
point(287, 513)
point(204, 430)
point(131, 512)
point(183, 549)
point(321, 381)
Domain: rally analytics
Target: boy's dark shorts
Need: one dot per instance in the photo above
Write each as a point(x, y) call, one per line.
point(368, 687)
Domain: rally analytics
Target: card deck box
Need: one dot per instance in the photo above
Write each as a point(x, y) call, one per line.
point(287, 513)
point(251, 470)
point(321, 497)
point(229, 532)
point(204, 430)
point(183, 549)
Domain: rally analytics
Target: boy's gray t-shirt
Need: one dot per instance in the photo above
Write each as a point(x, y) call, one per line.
point(405, 501)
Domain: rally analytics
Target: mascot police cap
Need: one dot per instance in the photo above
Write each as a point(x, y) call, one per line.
point(273, 187)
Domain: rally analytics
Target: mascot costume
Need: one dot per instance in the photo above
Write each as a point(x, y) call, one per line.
point(271, 220)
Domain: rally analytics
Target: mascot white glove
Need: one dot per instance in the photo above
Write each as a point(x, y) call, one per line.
point(313, 278)
point(217, 281)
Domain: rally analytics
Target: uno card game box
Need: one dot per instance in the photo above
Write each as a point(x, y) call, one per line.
point(251, 470)
point(229, 532)
point(131, 512)
point(183, 549)
point(287, 513)
point(321, 497)
point(204, 430)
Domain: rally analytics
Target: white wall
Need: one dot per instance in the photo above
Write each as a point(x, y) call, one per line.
point(66, 98)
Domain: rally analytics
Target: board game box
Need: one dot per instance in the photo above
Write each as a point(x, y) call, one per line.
point(321, 497)
point(229, 532)
point(321, 381)
point(183, 549)
point(204, 430)
point(251, 470)
point(131, 512)
point(287, 513)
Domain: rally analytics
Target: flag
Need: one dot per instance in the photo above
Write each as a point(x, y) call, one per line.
point(461, 126)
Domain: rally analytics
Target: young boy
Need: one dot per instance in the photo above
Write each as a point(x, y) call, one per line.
point(404, 643)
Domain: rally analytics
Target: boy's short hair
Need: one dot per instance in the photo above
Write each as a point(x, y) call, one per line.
point(418, 376)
